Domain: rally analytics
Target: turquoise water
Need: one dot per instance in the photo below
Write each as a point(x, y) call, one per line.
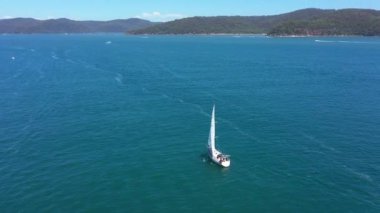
point(92, 125)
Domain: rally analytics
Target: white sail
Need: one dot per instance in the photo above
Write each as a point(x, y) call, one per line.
point(215, 155)
point(211, 138)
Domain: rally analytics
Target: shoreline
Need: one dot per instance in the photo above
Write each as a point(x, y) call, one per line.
point(255, 35)
point(196, 34)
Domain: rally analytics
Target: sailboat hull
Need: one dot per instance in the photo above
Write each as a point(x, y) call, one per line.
point(219, 160)
point(224, 164)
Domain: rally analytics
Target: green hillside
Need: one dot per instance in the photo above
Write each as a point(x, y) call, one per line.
point(301, 22)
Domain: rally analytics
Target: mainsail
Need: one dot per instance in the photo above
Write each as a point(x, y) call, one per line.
point(215, 155)
point(211, 138)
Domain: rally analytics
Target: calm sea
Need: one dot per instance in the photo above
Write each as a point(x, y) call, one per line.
point(120, 123)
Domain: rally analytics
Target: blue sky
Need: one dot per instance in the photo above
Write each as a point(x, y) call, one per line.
point(164, 10)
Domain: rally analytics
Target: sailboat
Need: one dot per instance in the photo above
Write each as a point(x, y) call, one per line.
point(215, 155)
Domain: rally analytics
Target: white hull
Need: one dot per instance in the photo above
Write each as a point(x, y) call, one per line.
point(222, 160)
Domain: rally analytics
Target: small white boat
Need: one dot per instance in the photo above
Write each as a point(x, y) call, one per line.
point(215, 155)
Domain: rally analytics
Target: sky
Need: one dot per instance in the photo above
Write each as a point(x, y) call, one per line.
point(164, 10)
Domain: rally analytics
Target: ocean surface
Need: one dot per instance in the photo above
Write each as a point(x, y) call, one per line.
point(120, 123)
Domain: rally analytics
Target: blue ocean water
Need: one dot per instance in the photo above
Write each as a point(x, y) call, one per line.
point(120, 123)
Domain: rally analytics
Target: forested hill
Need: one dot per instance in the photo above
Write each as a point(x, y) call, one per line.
point(63, 25)
point(300, 22)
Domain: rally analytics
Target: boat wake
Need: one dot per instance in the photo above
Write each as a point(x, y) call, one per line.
point(320, 143)
point(344, 41)
point(360, 175)
point(235, 127)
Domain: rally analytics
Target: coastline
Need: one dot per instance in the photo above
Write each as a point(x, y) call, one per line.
point(250, 34)
point(196, 34)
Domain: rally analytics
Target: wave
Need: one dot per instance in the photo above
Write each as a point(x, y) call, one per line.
point(70, 61)
point(319, 142)
point(345, 41)
point(240, 131)
point(324, 41)
point(196, 106)
point(119, 78)
point(360, 175)
point(231, 124)
point(54, 56)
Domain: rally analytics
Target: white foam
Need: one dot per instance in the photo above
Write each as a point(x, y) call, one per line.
point(54, 56)
point(119, 78)
point(324, 41)
point(13, 58)
point(108, 42)
point(345, 41)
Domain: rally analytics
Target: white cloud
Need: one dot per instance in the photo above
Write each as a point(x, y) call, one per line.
point(6, 17)
point(157, 16)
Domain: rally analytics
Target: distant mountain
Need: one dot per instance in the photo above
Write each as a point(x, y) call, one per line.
point(29, 25)
point(301, 22)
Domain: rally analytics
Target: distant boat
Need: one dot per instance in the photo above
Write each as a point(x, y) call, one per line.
point(215, 155)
